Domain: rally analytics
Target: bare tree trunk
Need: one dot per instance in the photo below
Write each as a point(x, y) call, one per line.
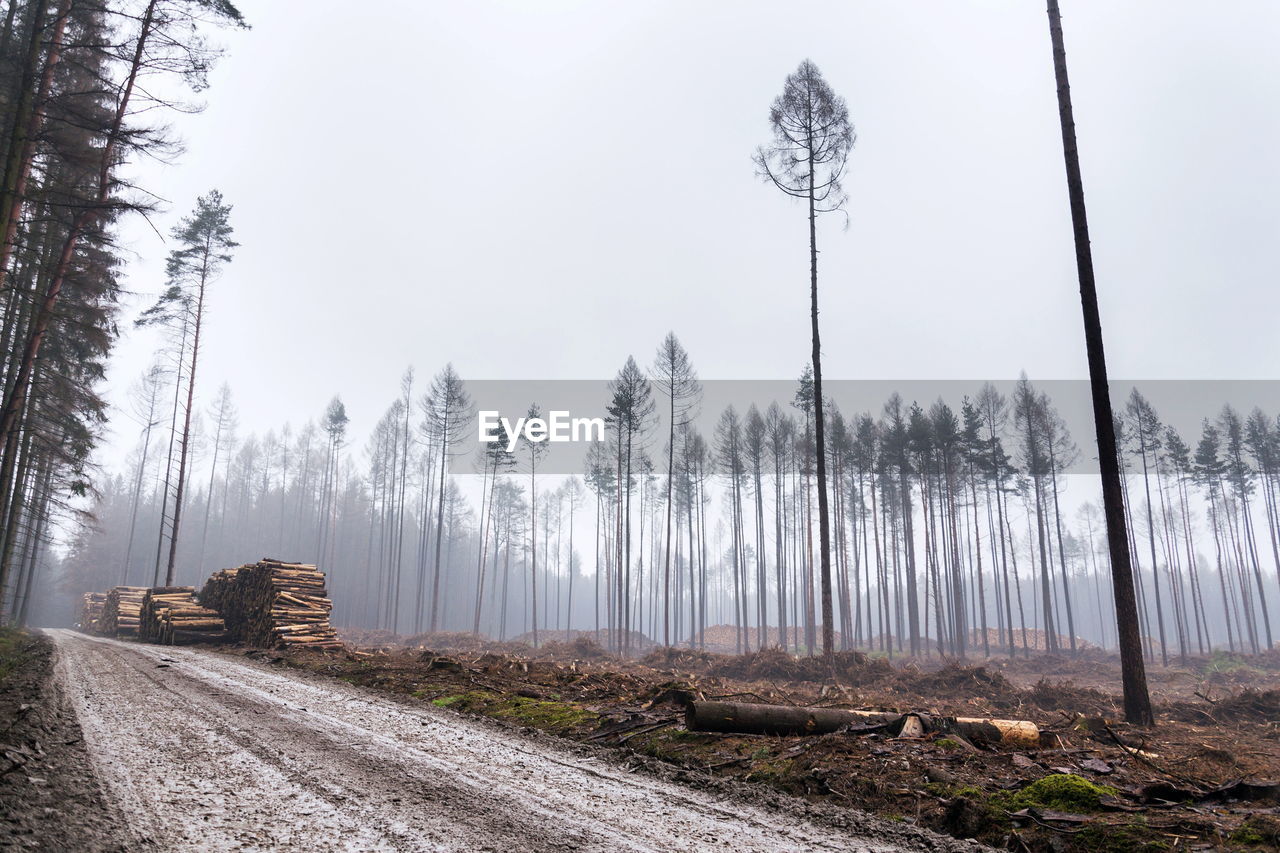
point(444, 471)
point(486, 504)
point(35, 538)
point(208, 501)
point(1137, 702)
point(1062, 550)
point(824, 524)
point(666, 567)
point(1151, 539)
point(186, 423)
point(137, 499)
point(533, 540)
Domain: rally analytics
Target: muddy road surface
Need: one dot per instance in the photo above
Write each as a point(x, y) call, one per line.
point(198, 750)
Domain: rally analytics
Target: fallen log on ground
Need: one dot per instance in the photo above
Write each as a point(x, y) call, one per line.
point(272, 603)
point(122, 612)
point(752, 718)
point(91, 605)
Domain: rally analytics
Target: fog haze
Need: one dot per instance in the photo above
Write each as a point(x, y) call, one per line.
point(540, 190)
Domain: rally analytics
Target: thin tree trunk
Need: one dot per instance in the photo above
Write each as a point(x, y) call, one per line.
point(824, 524)
point(186, 423)
point(1137, 702)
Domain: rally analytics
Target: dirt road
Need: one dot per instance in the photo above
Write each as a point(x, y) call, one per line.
point(200, 750)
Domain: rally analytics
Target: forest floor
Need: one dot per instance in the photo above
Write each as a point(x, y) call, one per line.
point(1206, 777)
point(49, 796)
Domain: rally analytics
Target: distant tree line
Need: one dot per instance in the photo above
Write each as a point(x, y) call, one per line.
point(952, 530)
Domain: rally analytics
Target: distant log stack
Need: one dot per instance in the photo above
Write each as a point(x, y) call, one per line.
point(272, 603)
point(122, 612)
point(91, 606)
point(171, 616)
point(155, 602)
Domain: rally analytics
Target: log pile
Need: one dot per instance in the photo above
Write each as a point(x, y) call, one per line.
point(171, 616)
point(91, 611)
point(271, 603)
point(122, 612)
point(219, 592)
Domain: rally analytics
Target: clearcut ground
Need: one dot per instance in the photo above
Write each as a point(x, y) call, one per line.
point(196, 750)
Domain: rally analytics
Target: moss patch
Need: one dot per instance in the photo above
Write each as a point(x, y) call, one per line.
point(557, 717)
point(1064, 792)
point(1134, 837)
point(1258, 831)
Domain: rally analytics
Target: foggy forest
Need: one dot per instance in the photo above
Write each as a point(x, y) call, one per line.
point(989, 615)
point(952, 529)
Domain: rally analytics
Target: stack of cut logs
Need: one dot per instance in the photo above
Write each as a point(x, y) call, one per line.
point(171, 616)
point(219, 593)
point(272, 603)
point(91, 611)
point(122, 612)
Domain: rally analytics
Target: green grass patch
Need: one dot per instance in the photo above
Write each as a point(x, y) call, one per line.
point(773, 771)
point(1228, 662)
point(13, 651)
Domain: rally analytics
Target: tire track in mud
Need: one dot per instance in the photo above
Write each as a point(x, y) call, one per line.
point(201, 750)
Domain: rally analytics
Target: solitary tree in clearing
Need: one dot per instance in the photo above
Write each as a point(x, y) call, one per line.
point(536, 450)
point(334, 423)
point(447, 408)
point(1137, 701)
point(629, 410)
point(812, 138)
point(205, 247)
point(675, 377)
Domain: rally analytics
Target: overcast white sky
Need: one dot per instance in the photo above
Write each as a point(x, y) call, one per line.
point(538, 189)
